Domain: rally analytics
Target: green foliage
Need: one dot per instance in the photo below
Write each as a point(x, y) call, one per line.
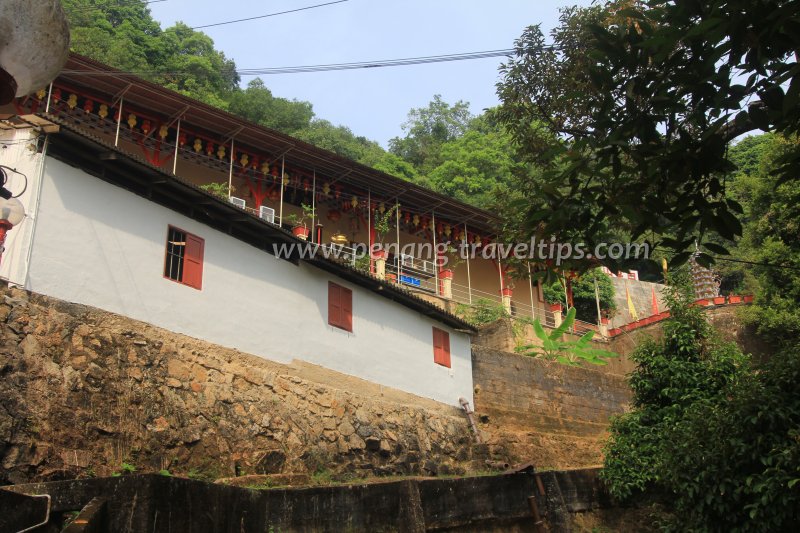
point(568, 352)
point(583, 295)
point(427, 129)
point(164, 472)
point(382, 223)
point(554, 293)
point(124, 469)
point(257, 104)
point(222, 190)
point(734, 461)
point(125, 36)
point(648, 95)
point(715, 438)
point(482, 311)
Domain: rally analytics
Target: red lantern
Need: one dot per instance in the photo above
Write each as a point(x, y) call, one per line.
point(209, 148)
point(275, 172)
point(146, 127)
point(88, 106)
point(334, 215)
point(182, 139)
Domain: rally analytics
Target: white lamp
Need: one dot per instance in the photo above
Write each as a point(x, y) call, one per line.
point(12, 212)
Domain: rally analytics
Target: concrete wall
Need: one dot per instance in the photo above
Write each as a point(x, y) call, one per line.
point(642, 297)
point(99, 245)
point(519, 391)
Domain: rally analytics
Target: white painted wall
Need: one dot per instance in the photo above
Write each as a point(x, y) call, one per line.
point(100, 245)
point(15, 152)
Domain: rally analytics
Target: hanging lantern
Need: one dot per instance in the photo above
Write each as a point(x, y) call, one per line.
point(477, 239)
point(221, 151)
point(35, 46)
point(198, 145)
point(182, 139)
point(132, 120)
point(447, 230)
point(209, 148)
point(146, 127)
point(56, 94)
point(407, 217)
point(275, 171)
point(264, 168)
point(244, 160)
point(338, 191)
point(334, 215)
point(306, 184)
point(382, 208)
point(255, 162)
point(286, 179)
point(40, 94)
point(103, 111)
point(326, 188)
point(72, 101)
point(163, 131)
point(354, 202)
point(88, 106)
point(416, 220)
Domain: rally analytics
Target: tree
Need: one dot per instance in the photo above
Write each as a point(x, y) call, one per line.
point(475, 164)
point(427, 129)
point(651, 95)
point(257, 104)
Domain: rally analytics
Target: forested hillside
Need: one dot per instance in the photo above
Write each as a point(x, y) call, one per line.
point(445, 147)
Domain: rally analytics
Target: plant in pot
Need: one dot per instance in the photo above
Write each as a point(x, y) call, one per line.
point(378, 252)
point(298, 222)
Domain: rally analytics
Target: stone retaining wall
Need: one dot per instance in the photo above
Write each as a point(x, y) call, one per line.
point(83, 391)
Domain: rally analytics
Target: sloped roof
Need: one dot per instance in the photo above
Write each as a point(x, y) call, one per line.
point(93, 77)
point(78, 147)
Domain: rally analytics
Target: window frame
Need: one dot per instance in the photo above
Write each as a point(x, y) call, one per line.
point(340, 307)
point(192, 258)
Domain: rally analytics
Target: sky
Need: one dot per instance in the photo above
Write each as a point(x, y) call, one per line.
point(373, 103)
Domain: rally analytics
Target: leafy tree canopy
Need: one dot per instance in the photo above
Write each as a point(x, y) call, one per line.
point(648, 96)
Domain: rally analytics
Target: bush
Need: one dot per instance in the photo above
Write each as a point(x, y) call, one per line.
point(717, 440)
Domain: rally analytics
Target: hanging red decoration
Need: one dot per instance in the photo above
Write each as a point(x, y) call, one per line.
point(334, 215)
point(209, 148)
point(182, 139)
point(275, 171)
point(88, 106)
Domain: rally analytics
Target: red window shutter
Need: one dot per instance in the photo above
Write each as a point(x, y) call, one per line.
point(193, 262)
point(340, 307)
point(347, 308)
point(334, 305)
point(441, 347)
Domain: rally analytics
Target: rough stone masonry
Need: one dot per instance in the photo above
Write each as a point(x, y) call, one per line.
point(83, 391)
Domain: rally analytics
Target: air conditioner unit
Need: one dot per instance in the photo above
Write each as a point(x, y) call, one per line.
point(238, 202)
point(267, 213)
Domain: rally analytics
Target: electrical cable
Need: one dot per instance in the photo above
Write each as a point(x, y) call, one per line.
point(322, 67)
point(268, 15)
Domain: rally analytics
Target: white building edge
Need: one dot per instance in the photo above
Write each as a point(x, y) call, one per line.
point(88, 240)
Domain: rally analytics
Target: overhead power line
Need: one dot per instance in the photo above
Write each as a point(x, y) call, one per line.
point(322, 68)
point(269, 15)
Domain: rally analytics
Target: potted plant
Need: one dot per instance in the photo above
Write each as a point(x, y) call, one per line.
point(299, 228)
point(378, 252)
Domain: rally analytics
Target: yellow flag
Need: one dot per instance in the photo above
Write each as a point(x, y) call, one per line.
point(631, 308)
